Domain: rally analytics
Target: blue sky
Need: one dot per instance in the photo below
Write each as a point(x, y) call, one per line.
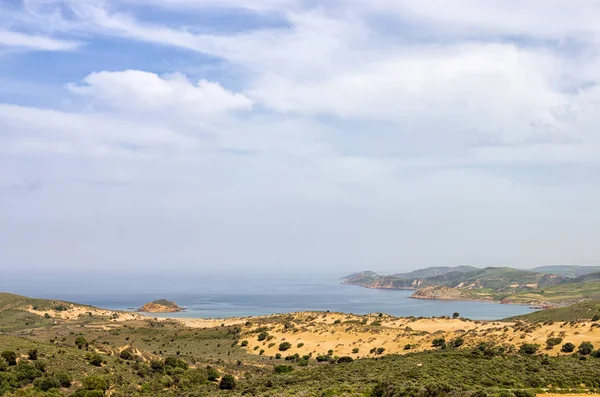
point(286, 134)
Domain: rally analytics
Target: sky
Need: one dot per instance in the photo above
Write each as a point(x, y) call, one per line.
point(297, 135)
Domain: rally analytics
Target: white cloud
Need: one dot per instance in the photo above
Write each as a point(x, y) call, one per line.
point(23, 41)
point(134, 90)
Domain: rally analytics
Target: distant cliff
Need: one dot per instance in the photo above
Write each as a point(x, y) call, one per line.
point(160, 306)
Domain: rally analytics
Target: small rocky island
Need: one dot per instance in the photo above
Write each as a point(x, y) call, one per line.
point(160, 306)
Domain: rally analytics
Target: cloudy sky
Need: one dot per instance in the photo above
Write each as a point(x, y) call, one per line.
point(298, 134)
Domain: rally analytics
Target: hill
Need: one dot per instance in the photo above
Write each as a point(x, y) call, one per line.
point(570, 271)
point(546, 288)
point(576, 312)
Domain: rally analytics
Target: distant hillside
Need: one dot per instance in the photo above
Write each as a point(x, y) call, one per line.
point(543, 288)
point(435, 271)
point(570, 271)
point(578, 311)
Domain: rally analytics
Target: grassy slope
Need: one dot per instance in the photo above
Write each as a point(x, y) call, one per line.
point(578, 311)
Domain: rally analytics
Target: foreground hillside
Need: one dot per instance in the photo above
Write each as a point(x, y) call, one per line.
point(541, 287)
point(102, 353)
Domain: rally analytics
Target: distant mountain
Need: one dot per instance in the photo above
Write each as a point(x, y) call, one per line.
point(567, 270)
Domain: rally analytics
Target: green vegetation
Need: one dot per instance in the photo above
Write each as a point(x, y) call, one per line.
point(577, 311)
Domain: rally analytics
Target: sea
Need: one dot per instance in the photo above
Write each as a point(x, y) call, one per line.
point(228, 295)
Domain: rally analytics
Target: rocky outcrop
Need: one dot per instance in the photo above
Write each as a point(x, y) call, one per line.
point(160, 306)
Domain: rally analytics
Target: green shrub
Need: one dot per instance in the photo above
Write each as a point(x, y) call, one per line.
point(567, 347)
point(80, 342)
point(227, 383)
point(528, 348)
point(551, 342)
point(212, 374)
point(438, 342)
point(263, 335)
point(95, 383)
point(95, 359)
point(281, 369)
point(585, 348)
point(33, 354)
point(455, 315)
point(355, 350)
point(46, 383)
point(345, 359)
point(244, 343)
point(458, 342)
point(283, 346)
point(126, 355)
point(10, 357)
point(278, 355)
point(300, 345)
point(64, 379)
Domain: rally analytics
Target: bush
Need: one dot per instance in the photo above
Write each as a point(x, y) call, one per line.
point(345, 359)
point(95, 383)
point(95, 359)
point(300, 345)
point(567, 347)
point(380, 350)
point(585, 348)
point(80, 342)
point(551, 342)
point(283, 346)
point(438, 342)
point(10, 357)
point(528, 348)
point(175, 362)
point(596, 317)
point(33, 354)
point(458, 342)
point(212, 374)
point(63, 378)
point(46, 383)
point(455, 315)
point(126, 355)
point(263, 335)
point(244, 343)
point(278, 356)
point(282, 369)
point(355, 350)
point(227, 383)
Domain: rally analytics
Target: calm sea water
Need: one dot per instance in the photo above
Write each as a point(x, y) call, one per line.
point(228, 296)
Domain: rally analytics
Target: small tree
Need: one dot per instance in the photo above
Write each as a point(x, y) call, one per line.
point(567, 347)
point(227, 383)
point(10, 357)
point(585, 348)
point(283, 346)
point(455, 315)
